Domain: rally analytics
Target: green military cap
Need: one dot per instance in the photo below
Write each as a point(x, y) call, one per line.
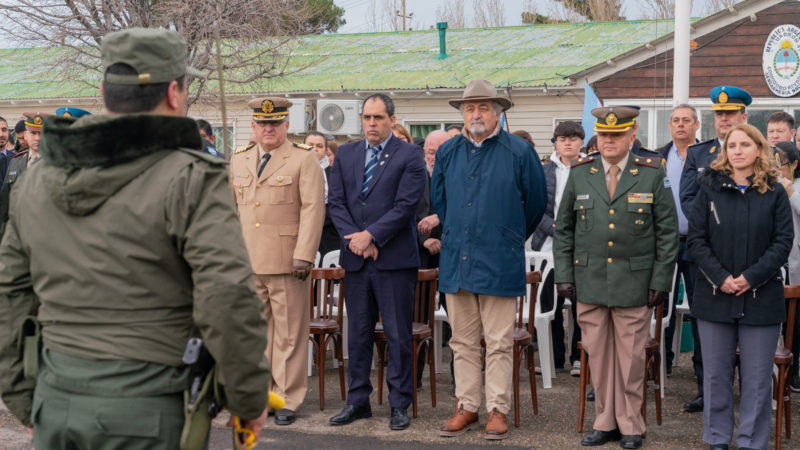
point(269, 109)
point(614, 119)
point(157, 55)
point(35, 119)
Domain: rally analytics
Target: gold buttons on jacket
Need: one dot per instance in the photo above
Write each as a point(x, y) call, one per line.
point(611, 226)
point(640, 210)
point(258, 225)
point(258, 203)
point(580, 207)
point(610, 260)
point(577, 261)
point(258, 185)
point(610, 243)
point(611, 211)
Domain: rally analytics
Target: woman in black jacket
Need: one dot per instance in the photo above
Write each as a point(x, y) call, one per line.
point(740, 234)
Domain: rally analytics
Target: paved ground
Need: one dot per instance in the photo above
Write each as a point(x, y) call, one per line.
point(554, 427)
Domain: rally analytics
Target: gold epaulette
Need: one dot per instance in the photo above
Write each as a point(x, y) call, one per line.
point(655, 163)
point(303, 146)
point(244, 149)
point(581, 161)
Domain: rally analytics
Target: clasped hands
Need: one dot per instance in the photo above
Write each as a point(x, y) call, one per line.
point(736, 286)
point(567, 290)
point(361, 244)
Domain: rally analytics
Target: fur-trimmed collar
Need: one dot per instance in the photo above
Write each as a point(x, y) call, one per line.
point(102, 141)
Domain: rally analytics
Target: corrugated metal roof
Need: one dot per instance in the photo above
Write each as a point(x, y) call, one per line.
point(523, 56)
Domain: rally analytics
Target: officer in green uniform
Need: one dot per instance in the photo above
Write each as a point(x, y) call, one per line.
point(615, 247)
point(127, 247)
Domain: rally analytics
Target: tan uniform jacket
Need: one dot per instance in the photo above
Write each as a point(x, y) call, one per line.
point(281, 211)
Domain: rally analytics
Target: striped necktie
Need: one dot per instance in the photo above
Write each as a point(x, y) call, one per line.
point(264, 164)
point(369, 168)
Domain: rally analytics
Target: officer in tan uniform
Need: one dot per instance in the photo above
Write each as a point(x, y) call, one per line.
point(280, 194)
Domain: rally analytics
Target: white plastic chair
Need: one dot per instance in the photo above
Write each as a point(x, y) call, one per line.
point(664, 324)
point(439, 316)
point(543, 262)
point(681, 309)
point(316, 260)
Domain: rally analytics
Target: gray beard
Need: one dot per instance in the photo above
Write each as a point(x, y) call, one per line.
point(478, 128)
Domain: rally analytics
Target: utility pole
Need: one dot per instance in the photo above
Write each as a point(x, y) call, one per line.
point(404, 16)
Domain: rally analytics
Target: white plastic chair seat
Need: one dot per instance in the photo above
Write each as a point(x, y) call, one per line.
point(543, 262)
point(664, 324)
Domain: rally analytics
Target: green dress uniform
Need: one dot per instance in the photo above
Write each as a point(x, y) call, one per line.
point(615, 250)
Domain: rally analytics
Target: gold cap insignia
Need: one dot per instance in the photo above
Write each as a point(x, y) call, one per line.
point(611, 119)
point(67, 114)
point(267, 106)
point(723, 97)
point(37, 120)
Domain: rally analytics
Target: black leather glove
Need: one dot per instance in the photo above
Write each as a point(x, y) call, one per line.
point(567, 290)
point(300, 269)
point(655, 298)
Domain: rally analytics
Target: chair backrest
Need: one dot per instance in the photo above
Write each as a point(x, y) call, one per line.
point(533, 280)
point(656, 324)
point(326, 283)
point(792, 294)
point(425, 296)
point(331, 259)
point(543, 263)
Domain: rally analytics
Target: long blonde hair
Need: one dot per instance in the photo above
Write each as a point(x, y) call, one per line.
point(764, 169)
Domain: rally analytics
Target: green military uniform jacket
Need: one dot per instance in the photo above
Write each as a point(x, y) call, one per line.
point(615, 250)
point(16, 167)
point(128, 245)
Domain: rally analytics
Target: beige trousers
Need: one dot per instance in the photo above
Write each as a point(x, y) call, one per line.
point(469, 314)
point(614, 339)
point(286, 301)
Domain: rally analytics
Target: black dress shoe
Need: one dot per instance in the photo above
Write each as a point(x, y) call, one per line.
point(598, 437)
point(590, 396)
point(695, 405)
point(631, 441)
point(719, 447)
point(285, 417)
point(350, 414)
point(399, 419)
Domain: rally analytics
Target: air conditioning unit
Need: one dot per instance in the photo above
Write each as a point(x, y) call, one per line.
point(300, 115)
point(339, 117)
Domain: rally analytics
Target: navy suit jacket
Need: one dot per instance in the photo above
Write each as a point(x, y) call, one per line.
point(387, 210)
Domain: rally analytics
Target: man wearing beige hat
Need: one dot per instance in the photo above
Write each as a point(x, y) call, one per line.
point(280, 193)
point(20, 162)
point(615, 247)
point(489, 191)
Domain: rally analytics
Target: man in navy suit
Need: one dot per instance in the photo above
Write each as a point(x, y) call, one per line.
point(373, 192)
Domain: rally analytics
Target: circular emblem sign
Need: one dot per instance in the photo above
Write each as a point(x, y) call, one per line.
point(781, 61)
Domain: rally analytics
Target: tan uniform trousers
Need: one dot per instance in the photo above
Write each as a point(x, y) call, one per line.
point(614, 339)
point(469, 314)
point(287, 313)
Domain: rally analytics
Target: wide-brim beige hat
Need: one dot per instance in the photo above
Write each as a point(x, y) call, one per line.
point(481, 90)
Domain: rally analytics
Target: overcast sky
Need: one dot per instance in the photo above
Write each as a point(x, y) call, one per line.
point(357, 12)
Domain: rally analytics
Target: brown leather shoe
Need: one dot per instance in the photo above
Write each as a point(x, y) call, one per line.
point(497, 427)
point(459, 423)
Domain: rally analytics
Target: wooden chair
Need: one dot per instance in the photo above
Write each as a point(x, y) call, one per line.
point(326, 322)
point(783, 359)
point(652, 371)
point(421, 333)
point(523, 341)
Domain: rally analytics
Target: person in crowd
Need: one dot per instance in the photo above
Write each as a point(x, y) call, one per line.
point(149, 248)
point(453, 130)
point(375, 187)
point(280, 194)
point(489, 192)
point(209, 140)
point(789, 176)
point(729, 105)
point(429, 236)
point(401, 133)
point(7, 147)
point(568, 142)
point(333, 147)
point(617, 232)
point(683, 126)
point(591, 146)
point(780, 127)
point(19, 134)
point(20, 162)
point(525, 135)
point(330, 238)
point(740, 234)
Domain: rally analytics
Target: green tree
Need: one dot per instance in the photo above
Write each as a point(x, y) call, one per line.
point(325, 17)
